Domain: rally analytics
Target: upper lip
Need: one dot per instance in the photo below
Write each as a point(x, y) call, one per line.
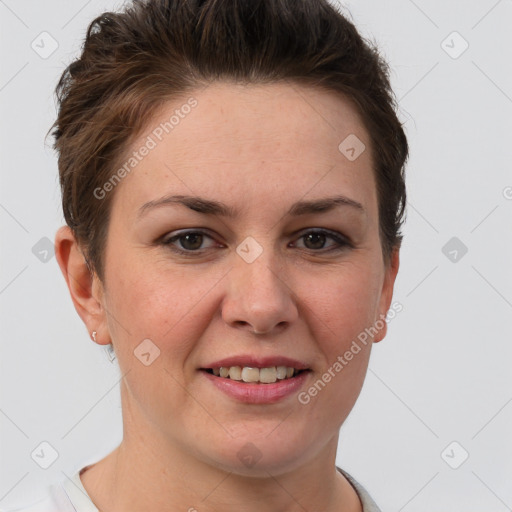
point(257, 362)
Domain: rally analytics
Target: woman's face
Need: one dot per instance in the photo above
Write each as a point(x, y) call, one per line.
point(245, 237)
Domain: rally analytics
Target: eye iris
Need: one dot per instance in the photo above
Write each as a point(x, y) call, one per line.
point(192, 241)
point(317, 239)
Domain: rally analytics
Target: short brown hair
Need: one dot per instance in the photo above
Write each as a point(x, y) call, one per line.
point(157, 50)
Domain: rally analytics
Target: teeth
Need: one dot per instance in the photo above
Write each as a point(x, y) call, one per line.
point(281, 372)
point(268, 375)
point(249, 374)
point(235, 373)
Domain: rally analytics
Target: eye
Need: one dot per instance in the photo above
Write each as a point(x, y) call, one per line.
point(316, 239)
point(188, 241)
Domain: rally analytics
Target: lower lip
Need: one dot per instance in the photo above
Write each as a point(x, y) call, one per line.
point(253, 393)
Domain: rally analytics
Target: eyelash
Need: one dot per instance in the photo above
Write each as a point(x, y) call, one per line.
point(341, 241)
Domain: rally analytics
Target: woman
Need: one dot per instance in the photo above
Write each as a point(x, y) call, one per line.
point(232, 183)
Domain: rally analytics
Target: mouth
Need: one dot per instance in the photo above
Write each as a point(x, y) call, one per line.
point(255, 375)
point(252, 379)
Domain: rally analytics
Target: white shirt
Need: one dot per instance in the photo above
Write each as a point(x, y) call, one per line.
point(71, 496)
point(66, 496)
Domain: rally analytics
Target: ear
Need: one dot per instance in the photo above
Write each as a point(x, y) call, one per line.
point(386, 296)
point(84, 286)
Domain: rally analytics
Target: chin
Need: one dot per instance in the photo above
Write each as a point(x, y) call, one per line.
point(262, 455)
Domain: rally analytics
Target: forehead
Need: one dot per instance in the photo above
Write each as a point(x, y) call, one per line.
point(250, 139)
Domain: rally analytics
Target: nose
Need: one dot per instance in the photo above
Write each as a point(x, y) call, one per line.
point(258, 299)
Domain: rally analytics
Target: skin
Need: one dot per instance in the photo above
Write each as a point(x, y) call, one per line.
point(258, 149)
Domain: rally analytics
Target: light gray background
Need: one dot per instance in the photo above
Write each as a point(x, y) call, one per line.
point(443, 373)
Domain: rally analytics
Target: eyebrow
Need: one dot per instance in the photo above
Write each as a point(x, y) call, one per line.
point(211, 207)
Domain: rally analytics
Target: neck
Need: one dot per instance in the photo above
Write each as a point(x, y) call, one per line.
point(149, 472)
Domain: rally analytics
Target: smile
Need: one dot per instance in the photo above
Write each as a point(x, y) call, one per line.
point(248, 374)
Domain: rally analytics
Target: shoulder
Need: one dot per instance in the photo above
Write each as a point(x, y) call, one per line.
point(43, 505)
point(54, 500)
point(366, 500)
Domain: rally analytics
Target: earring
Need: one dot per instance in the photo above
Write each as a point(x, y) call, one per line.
point(93, 334)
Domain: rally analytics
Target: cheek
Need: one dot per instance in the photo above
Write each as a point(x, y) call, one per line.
point(343, 308)
point(168, 308)
point(344, 301)
point(165, 305)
